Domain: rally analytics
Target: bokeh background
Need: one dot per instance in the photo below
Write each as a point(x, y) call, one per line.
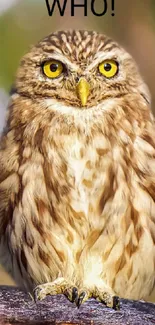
point(24, 22)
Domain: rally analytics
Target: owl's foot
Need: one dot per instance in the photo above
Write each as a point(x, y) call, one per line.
point(109, 299)
point(59, 286)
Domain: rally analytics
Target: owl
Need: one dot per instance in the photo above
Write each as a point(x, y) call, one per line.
point(77, 173)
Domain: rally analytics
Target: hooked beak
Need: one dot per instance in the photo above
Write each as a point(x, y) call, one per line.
point(83, 90)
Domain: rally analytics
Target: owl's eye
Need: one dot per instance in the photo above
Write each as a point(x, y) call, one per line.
point(108, 68)
point(52, 69)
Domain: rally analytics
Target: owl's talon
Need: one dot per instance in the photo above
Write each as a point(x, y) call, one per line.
point(81, 299)
point(74, 294)
point(116, 303)
point(71, 294)
point(37, 294)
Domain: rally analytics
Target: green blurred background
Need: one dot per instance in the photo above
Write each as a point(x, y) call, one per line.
point(24, 22)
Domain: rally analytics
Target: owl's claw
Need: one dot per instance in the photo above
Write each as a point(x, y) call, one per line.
point(84, 295)
point(116, 303)
point(81, 299)
point(38, 294)
point(74, 294)
point(78, 297)
point(71, 294)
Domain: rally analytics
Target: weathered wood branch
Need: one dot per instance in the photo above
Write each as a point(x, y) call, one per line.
point(16, 307)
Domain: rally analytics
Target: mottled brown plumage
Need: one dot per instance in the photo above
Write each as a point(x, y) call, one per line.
point(77, 182)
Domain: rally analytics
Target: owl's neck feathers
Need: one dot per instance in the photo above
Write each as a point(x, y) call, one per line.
point(129, 113)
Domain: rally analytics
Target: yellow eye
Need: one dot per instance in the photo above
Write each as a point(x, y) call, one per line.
point(52, 69)
point(108, 68)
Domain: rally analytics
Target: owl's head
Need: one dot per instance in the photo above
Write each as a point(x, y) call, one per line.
point(80, 69)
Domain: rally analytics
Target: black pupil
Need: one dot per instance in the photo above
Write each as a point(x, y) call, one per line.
point(107, 67)
point(53, 67)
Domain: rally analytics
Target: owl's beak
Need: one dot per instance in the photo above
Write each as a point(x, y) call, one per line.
point(83, 90)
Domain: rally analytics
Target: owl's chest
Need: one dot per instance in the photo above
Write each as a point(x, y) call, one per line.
point(83, 171)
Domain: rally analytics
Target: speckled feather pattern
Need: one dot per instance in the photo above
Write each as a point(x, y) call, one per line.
point(77, 184)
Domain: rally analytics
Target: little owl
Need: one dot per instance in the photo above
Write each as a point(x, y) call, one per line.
point(77, 173)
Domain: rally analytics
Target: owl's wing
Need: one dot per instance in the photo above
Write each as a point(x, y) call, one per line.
point(143, 159)
point(9, 179)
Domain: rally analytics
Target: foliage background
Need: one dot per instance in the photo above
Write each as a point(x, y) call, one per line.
point(24, 22)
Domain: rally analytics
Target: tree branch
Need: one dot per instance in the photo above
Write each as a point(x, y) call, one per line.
point(16, 307)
